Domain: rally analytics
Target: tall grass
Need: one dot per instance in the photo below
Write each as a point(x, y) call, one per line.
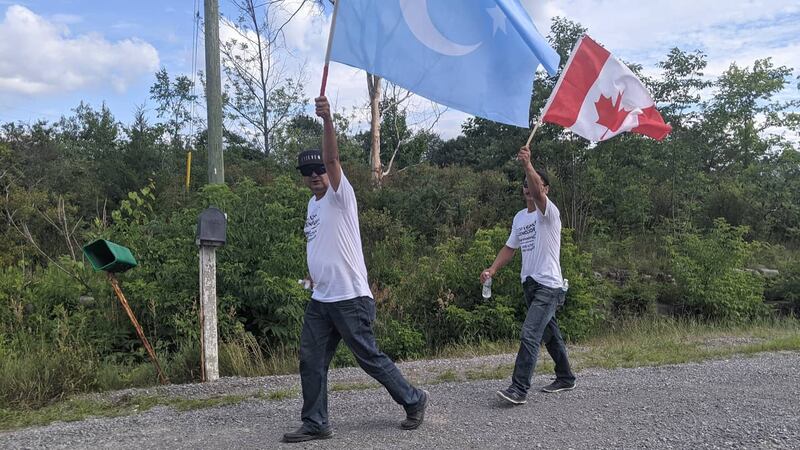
point(244, 357)
point(35, 373)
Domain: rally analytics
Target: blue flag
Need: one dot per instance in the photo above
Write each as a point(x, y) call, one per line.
point(477, 56)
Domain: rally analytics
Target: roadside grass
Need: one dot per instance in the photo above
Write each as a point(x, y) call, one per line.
point(641, 343)
point(281, 394)
point(644, 342)
point(81, 408)
point(660, 342)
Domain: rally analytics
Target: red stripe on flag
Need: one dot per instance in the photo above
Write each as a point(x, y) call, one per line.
point(652, 124)
point(581, 72)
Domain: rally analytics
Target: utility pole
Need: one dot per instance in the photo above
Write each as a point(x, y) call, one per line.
point(216, 165)
point(212, 223)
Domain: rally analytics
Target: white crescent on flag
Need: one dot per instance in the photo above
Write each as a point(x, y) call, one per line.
point(415, 13)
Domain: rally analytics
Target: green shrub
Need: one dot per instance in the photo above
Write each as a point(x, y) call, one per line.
point(635, 298)
point(442, 294)
point(399, 340)
point(587, 297)
point(785, 288)
point(709, 274)
point(484, 322)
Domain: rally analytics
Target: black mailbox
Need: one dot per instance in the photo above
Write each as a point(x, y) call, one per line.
point(211, 227)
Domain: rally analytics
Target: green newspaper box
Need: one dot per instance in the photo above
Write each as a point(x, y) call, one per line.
point(108, 256)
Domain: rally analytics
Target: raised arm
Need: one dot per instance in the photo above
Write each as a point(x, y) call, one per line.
point(330, 149)
point(535, 183)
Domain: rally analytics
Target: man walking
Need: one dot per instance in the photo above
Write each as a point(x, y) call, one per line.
point(537, 231)
point(341, 306)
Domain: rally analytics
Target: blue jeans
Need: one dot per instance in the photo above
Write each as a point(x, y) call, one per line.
point(540, 326)
point(324, 325)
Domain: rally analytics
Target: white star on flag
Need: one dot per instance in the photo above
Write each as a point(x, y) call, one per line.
point(498, 19)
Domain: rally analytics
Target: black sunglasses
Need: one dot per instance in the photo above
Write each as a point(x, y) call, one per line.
point(306, 171)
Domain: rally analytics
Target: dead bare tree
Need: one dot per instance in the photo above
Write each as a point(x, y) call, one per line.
point(262, 89)
point(374, 91)
point(399, 100)
point(399, 105)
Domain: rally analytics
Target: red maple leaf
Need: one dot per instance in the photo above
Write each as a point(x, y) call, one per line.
point(611, 115)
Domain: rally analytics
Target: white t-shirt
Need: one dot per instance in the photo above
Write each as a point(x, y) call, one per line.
point(539, 236)
point(333, 246)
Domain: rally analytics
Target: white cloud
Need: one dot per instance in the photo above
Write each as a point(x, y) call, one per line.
point(66, 19)
point(40, 57)
point(644, 32)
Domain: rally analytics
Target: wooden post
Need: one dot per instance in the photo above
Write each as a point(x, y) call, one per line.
point(208, 311)
point(216, 166)
point(139, 331)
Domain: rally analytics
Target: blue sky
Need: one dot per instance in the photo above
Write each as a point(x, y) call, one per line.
point(157, 33)
point(55, 53)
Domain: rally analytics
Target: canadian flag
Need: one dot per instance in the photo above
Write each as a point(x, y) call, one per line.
point(598, 97)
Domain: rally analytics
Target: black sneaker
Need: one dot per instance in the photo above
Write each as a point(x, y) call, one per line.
point(512, 397)
point(558, 386)
point(302, 435)
point(415, 417)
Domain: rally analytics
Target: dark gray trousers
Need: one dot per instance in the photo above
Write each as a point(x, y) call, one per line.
point(324, 325)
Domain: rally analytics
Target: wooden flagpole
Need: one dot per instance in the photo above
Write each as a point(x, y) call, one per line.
point(328, 51)
point(535, 127)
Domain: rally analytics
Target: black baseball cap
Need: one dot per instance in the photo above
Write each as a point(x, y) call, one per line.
point(309, 158)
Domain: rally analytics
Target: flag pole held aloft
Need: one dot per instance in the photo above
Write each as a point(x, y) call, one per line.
point(328, 50)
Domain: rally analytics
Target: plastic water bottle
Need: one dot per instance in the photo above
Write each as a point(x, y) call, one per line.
point(565, 288)
point(487, 288)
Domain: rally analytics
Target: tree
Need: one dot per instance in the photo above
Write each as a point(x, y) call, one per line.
point(374, 91)
point(262, 90)
point(174, 99)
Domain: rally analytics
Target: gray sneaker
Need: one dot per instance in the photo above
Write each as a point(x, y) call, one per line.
point(512, 397)
point(558, 386)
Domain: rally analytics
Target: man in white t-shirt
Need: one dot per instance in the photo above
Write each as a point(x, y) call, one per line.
point(341, 306)
point(536, 230)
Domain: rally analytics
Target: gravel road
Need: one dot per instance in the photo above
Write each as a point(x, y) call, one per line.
point(742, 402)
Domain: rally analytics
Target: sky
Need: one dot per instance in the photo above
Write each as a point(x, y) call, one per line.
point(57, 53)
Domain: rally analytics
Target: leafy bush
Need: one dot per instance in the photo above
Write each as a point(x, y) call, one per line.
point(257, 269)
point(635, 298)
point(584, 308)
point(442, 294)
point(709, 275)
point(786, 287)
point(399, 340)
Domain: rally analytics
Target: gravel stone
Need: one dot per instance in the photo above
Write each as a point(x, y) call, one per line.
point(740, 402)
